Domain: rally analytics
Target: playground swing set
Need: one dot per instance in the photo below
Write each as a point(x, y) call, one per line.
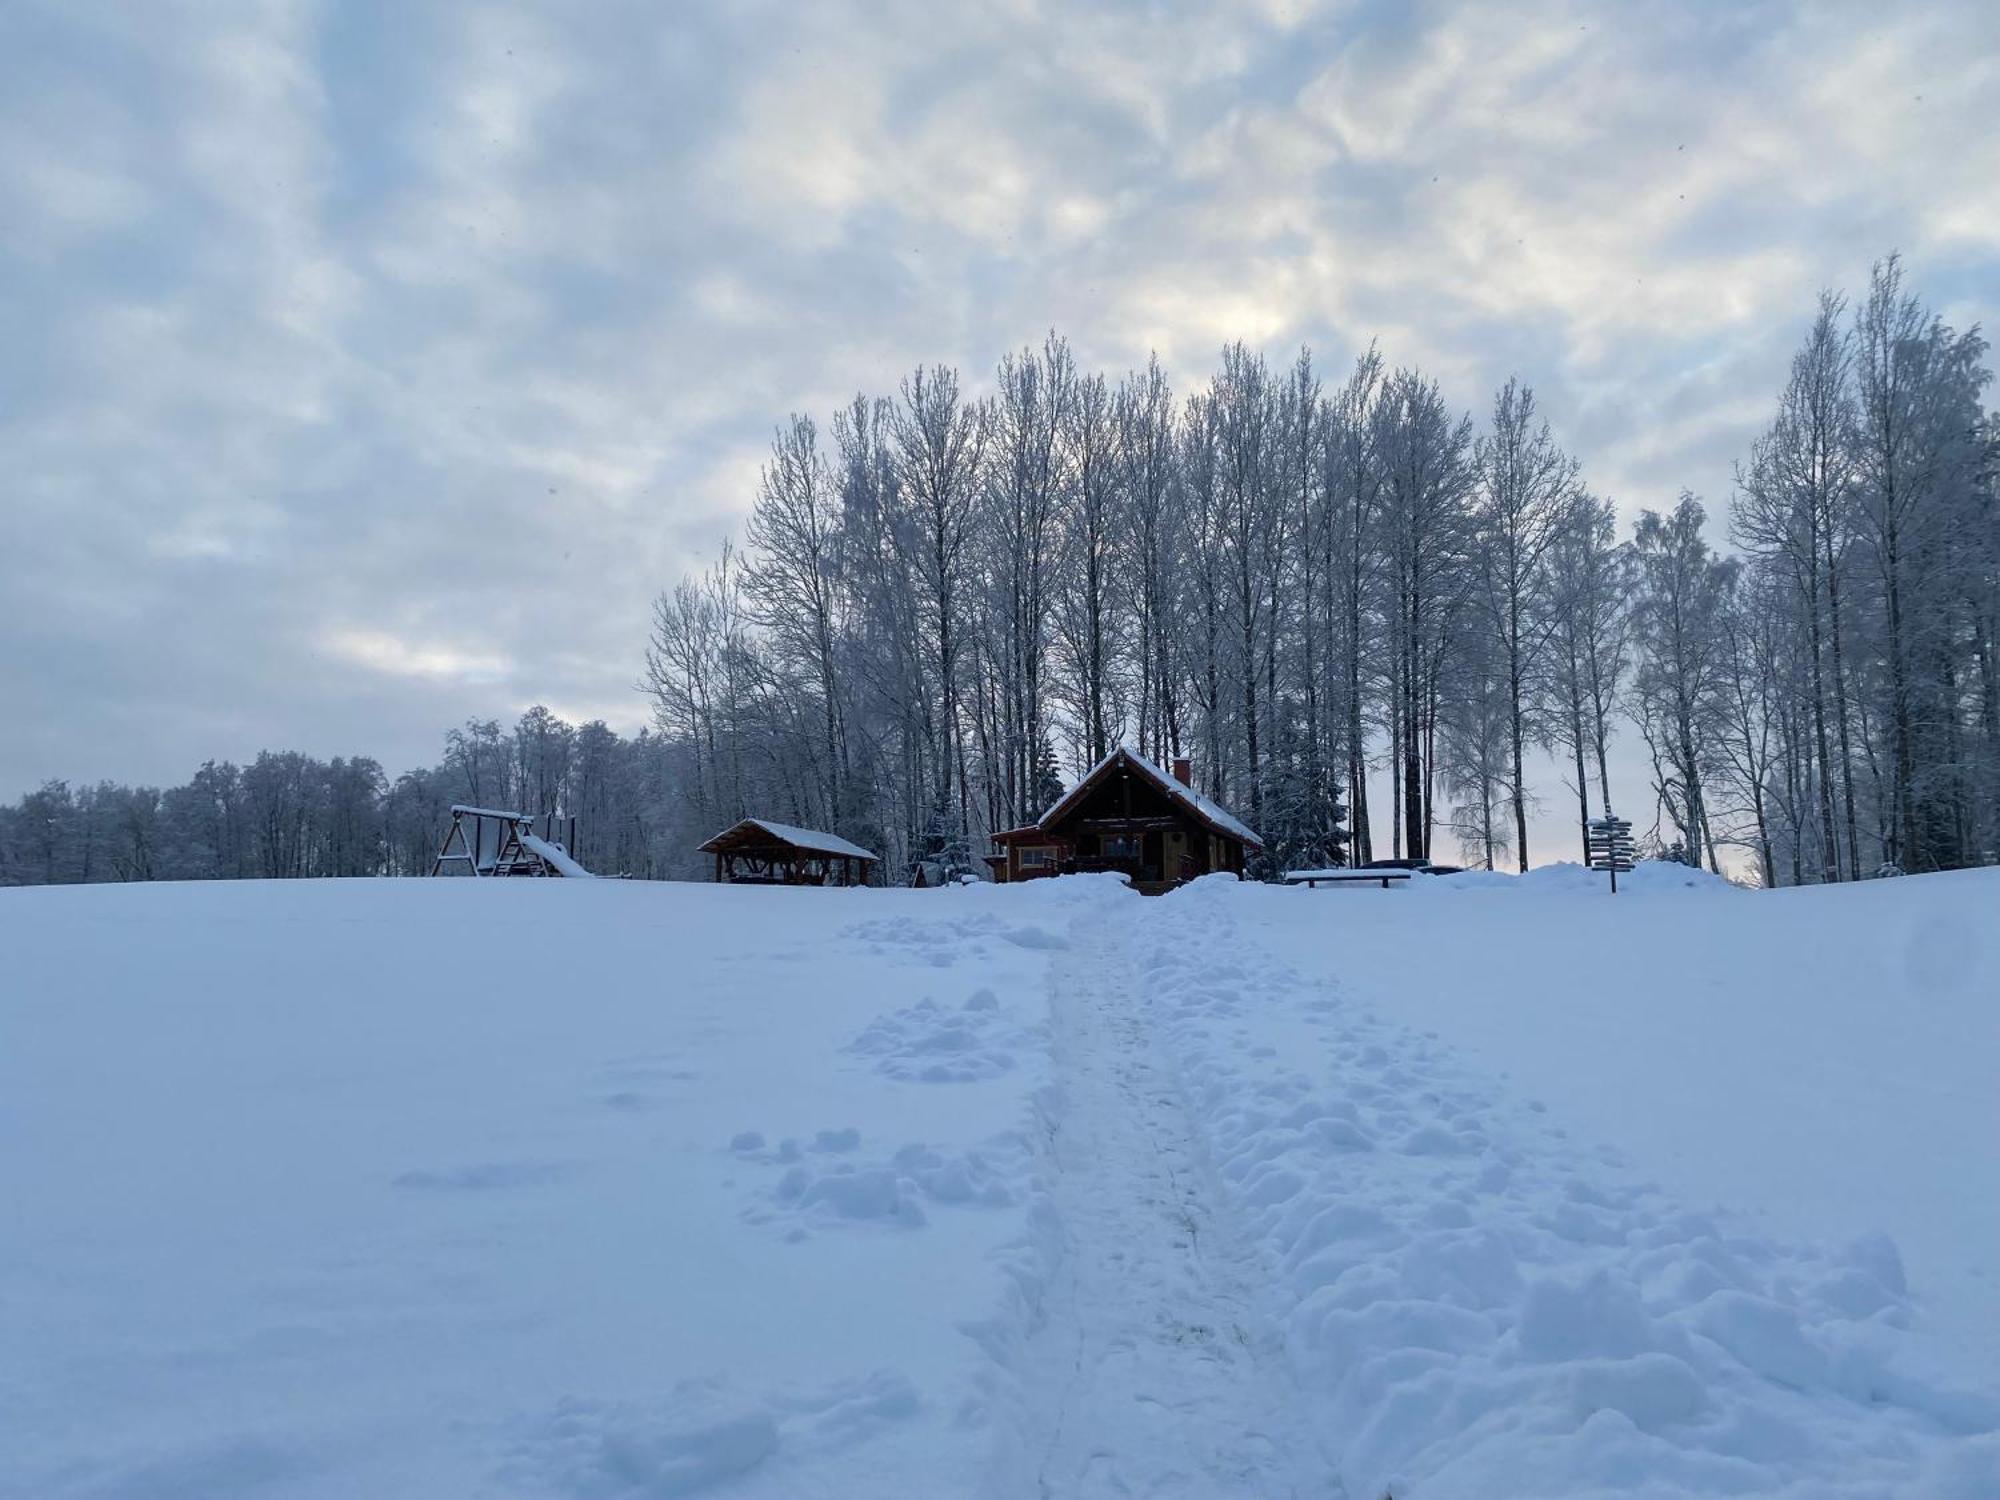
point(492, 841)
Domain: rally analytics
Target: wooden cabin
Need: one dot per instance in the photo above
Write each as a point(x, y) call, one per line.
point(1128, 815)
point(760, 852)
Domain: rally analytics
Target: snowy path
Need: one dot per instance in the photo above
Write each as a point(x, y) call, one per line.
point(1039, 1192)
point(1156, 1369)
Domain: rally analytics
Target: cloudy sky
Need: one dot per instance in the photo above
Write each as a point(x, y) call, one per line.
point(365, 366)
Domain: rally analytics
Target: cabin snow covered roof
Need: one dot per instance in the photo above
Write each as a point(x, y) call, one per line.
point(799, 838)
point(1207, 811)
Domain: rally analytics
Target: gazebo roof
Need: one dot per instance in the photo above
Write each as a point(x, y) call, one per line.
point(762, 833)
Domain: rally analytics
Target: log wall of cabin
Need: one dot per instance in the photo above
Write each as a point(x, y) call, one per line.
point(1127, 805)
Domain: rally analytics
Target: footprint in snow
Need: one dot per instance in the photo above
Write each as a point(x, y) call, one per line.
point(700, 1435)
point(930, 1043)
point(486, 1177)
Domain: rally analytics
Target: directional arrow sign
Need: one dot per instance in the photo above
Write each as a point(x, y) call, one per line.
point(1608, 842)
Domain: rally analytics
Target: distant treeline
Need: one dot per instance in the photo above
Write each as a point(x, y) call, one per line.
point(287, 815)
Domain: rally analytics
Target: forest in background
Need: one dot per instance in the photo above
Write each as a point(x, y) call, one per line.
point(1349, 595)
point(286, 815)
point(1351, 606)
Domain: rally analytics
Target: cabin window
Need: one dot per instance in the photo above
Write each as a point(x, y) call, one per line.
point(1037, 856)
point(1121, 846)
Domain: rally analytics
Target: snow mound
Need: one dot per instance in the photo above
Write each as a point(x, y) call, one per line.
point(1566, 878)
point(826, 1183)
point(1475, 1307)
point(933, 1043)
point(700, 1437)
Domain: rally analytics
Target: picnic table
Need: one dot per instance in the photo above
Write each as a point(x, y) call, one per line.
point(1313, 878)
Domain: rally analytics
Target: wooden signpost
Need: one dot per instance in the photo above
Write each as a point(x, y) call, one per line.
point(1610, 845)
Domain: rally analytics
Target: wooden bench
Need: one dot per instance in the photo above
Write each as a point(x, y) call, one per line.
point(1313, 878)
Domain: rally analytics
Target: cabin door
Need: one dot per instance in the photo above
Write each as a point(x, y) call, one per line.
point(1150, 863)
point(1180, 855)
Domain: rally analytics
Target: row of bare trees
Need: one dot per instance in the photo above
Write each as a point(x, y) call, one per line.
point(1304, 589)
point(1842, 690)
point(1348, 603)
point(1349, 593)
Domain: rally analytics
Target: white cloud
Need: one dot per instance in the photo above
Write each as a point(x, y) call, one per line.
point(309, 351)
point(48, 204)
point(380, 651)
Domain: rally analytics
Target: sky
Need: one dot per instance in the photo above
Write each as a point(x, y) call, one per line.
point(366, 366)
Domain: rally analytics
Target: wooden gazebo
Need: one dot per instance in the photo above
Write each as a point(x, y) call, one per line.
point(1128, 815)
point(757, 851)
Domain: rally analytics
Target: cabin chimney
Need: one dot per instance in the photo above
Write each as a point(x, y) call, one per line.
point(1183, 771)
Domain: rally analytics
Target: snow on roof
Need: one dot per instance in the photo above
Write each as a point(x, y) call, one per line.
point(1209, 811)
point(1214, 811)
point(802, 838)
point(556, 855)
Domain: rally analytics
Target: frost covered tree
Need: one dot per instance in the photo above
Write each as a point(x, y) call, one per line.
point(1756, 737)
point(940, 442)
point(1424, 535)
point(1475, 755)
point(792, 586)
point(1352, 494)
point(1918, 461)
point(1795, 507)
point(1526, 486)
point(1088, 622)
point(543, 746)
point(1025, 490)
point(1150, 545)
point(1679, 613)
point(1589, 577)
point(1248, 532)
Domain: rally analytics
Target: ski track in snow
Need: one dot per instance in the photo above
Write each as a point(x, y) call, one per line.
point(1152, 1368)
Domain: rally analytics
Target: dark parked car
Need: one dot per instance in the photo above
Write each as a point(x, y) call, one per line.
point(1413, 864)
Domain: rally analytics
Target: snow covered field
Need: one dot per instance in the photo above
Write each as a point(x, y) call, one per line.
point(596, 1190)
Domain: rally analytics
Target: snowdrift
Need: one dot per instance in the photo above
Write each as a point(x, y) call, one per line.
point(1479, 1303)
point(1648, 877)
point(604, 1189)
